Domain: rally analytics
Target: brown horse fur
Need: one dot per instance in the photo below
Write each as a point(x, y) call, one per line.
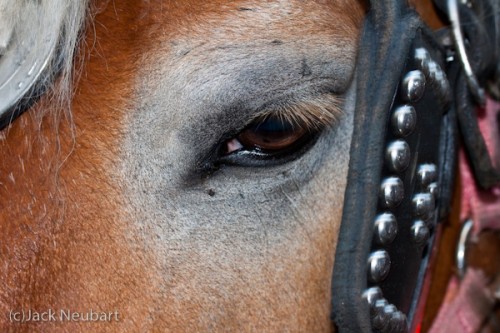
point(66, 241)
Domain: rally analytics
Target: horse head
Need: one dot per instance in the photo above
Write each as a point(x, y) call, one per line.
point(178, 166)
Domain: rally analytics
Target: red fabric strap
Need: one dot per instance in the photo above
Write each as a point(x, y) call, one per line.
point(483, 207)
point(469, 302)
point(467, 305)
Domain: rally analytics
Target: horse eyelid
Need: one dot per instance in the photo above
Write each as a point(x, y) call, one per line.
point(311, 114)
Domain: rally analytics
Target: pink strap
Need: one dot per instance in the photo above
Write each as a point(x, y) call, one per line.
point(482, 206)
point(466, 306)
point(469, 302)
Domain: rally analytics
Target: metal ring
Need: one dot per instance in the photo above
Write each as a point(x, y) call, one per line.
point(461, 247)
point(454, 15)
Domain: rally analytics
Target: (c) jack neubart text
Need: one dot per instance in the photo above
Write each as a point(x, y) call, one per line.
point(63, 315)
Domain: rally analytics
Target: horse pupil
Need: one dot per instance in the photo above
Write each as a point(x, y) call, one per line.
point(273, 125)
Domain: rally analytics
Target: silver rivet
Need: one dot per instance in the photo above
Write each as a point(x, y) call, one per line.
point(427, 174)
point(379, 317)
point(392, 192)
point(433, 189)
point(398, 155)
point(413, 86)
point(437, 75)
point(399, 322)
point(379, 264)
point(420, 232)
point(389, 311)
point(386, 228)
point(434, 71)
point(404, 120)
point(423, 57)
point(372, 295)
point(424, 205)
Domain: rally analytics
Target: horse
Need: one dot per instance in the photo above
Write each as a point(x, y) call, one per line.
point(183, 169)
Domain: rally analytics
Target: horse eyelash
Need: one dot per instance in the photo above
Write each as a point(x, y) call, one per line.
point(311, 114)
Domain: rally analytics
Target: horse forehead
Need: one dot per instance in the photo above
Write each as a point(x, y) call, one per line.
point(238, 19)
point(193, 44)
point(182, 26)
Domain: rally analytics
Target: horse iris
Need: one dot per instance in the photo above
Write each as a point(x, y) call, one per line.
point(272, 134)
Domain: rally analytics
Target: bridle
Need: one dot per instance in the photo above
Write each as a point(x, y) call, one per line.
point(417, 92)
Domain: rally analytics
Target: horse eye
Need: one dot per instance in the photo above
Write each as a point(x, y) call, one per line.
point(271, 135)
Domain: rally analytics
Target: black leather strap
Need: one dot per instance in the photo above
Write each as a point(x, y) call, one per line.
point(391, 37)
point(377, 281)
point(389, 29)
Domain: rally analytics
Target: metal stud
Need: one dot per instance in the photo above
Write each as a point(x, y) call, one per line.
point(413, 86)
point(379, 264)
point(427, 174)
point(420, 232)
point(379, 317)
point(434, 71)
point(404, 120)
point(372, 295)
point(386, 229)
point(399, 322)
point(387, 318)
point(392, 192)
point(424, 205)
point(389, 311)
point(398, 156)
point(437, 76)
point(433, 189)
point(423, 57)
